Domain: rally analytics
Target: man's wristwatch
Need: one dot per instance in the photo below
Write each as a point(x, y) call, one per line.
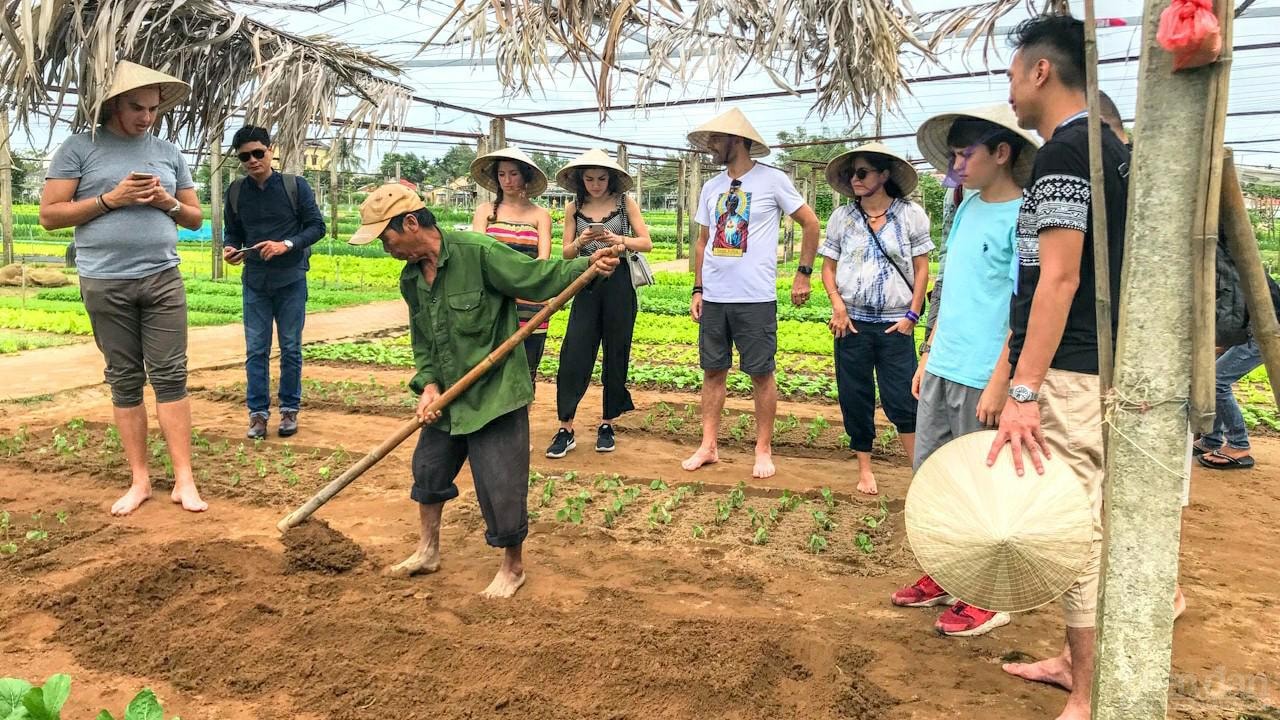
point(173, 211)
point(805, 270)
point(1023, 394)
point(924, 348)
point(288, 244)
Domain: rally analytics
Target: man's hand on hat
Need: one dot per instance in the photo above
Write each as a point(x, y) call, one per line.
point(268, 249)
point(605, 261)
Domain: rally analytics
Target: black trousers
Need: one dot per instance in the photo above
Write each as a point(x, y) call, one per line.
point(864, 360)
point(603, 314)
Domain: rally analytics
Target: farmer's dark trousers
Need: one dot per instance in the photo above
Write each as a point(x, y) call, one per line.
point(499, 455)
point(141, 328)
point(286, 308)
point(864, 360)
point(604, 313)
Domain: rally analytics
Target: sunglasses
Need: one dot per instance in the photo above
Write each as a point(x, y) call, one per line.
point(861, 173)
point(255, 154)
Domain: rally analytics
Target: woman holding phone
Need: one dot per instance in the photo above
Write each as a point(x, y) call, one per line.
point(125, 191)
point(514, 220)
point(605, 312)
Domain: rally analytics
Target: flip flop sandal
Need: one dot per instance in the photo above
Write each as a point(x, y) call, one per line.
point(1240, 463)
point(1197, 449)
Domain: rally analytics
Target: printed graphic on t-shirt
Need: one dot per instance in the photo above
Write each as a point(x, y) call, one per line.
point(733, 215)
point(1057, 201)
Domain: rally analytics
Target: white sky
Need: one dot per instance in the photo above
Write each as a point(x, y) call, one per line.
point(387, 28)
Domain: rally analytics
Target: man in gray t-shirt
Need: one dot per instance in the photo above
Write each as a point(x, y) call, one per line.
point(124, 190)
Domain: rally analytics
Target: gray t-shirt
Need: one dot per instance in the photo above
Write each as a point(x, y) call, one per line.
point(129, 242)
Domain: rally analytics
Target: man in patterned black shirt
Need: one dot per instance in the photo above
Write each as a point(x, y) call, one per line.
point(1053, 343)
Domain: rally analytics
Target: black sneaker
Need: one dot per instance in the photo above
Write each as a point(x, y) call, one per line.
point(604, 438)
point(562, 444)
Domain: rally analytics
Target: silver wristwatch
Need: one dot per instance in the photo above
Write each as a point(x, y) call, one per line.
point(173, 211)
point(288, 244)
point(1023, 394)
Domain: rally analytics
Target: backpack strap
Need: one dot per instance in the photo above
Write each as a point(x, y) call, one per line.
point(233, 195)
point(291, 189)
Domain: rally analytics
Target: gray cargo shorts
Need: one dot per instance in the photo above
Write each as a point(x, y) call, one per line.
point(752, 327)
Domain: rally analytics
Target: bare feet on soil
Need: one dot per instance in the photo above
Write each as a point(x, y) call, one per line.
point(421, 562)
point(504, 585)
point(703, 456)
point(186, 495)
point(1055, 671)
point(764, 465)
point(867, 483)
point(138, 494)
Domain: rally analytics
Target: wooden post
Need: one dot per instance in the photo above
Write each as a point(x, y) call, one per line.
point(1101, 258)
point(215, 200)
point(640, 186)
point(680, 190)
point(6, 188)
point(789, 225)
point(333, 193)
point(497, 134)
point(1243, 247)
point(622, 155)
point(1205, 241)
point(482, 195)
point(1146, 415)
point(692, 192)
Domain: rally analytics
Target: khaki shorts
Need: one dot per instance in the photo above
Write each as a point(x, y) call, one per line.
point(1071, 418)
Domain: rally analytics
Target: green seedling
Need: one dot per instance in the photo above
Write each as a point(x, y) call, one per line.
point(657, 485)
point(886, 438)
point(789, 501)
point(816, 543)
point(822, 520)
point(548, 492)
point(290, 476)
point(75, 424)
point(863, 541)
point(828, 497)
point(698, 532)
point(609, 483)
point(738, 495)
point(235, 480)
point(570, 476)
point(242, 457)
point(535, 477)
point(647, 422)
point(757, 520)
point(674, 423)
point(875, 521)
point(574, 506)
point(774, 516)
point(722, 512)
point(659, 514)
point(761, 537)
point(262, 468)
point(323, 472)
point(6, 547)
point(63, 516)
point(815, 429)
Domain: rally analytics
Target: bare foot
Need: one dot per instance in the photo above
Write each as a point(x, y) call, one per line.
point(1179, 602)
point(138, 494)
point(867, 483)
point(188, 497)
point(1055, 671)
point(420, 562)
point(764, 466)
point(703, 456)
point(504, 585)
point(1075, 711)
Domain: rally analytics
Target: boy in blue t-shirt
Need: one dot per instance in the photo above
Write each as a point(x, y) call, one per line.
point(963, 377)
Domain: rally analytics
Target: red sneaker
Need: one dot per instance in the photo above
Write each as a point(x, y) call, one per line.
point(924, 593)
point(964, 620)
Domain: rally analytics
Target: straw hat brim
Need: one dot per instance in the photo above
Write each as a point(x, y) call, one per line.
point(731, 122)
point(932, 139)
point(131, 76)
point(567, 178)
point(899, 169)
point(481, 166)
point(995, 540)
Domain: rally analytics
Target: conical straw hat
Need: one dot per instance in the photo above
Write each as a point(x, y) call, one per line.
point(131, 76)
point(568, 179)
point(731, 122)
point(932, 138)
point(481, 170)
point(899, 169)
point(992, 539)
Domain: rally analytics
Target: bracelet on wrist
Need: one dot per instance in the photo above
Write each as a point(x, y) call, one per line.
point(697, 290)
point(913, 316)
point(102, 204)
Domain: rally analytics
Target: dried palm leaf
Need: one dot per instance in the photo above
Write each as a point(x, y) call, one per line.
point(236, 66)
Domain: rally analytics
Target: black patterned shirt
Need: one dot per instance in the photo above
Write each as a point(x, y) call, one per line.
point(1058, 196)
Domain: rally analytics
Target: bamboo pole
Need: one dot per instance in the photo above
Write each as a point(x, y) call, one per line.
point(691, 196)
point(216, 200)
point(482, 194)
point(1146, 414)
point(1205, 242)
point(622, 155)
point(680, 192)
point(1243, 247)
point(6, 189)
point(1101, 258)
point(333, 192)
point(497, 134)
point(789, 225)
point(328, 492)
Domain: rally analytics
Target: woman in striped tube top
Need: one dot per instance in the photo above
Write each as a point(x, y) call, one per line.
point(514, 220)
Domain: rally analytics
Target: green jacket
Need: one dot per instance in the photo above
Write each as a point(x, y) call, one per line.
point(469, 311)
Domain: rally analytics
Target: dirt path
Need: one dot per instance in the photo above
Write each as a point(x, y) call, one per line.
point(632, 621)
point(52, 370)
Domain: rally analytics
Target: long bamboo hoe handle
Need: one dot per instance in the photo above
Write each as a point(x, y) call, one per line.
point(404, 431)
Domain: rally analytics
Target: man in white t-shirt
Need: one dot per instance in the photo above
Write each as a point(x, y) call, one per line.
point(735, 276)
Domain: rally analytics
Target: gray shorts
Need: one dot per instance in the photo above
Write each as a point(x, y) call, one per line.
point(946, 411)
point(499, 455)
point(141, 328)
point(752, 327)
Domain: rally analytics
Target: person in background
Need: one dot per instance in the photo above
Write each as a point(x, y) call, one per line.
point(876, 272)
point(125, 191)
point(600, 215)
point(963, 378)
point(736, 256)
point(516, 222)
point(271, 221)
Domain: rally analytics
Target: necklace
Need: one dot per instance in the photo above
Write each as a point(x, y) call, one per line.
point(869, 216)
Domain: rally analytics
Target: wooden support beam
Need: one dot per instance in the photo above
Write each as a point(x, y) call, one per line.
point(1146, 414)
point(681, 189)
point(497, 134)
point(691, 194)
point(333, 189)
point(789, 225)
point(215, 200)
point(622, 155)
point(6, 189)
point(1101, 258)
point(482, 148)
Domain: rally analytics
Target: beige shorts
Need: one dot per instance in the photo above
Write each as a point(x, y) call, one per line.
point(1071, 418)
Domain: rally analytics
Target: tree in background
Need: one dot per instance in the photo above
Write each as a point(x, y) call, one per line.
point(813, 153)
point(453, 164)
point(932, 192)
point(549, 164)
point(412, 167)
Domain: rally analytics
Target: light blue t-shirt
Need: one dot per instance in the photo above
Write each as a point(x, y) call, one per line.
point(131, 242)
point(973, 319)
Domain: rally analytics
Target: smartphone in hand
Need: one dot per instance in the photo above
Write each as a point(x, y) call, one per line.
point(139, 175)
point(597, 228)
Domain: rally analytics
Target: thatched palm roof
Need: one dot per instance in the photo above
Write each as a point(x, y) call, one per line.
point(236, 66)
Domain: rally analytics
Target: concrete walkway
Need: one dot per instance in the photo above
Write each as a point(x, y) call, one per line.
point(51, 370)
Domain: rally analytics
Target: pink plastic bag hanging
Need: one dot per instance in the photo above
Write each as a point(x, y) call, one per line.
point(1189, 29)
